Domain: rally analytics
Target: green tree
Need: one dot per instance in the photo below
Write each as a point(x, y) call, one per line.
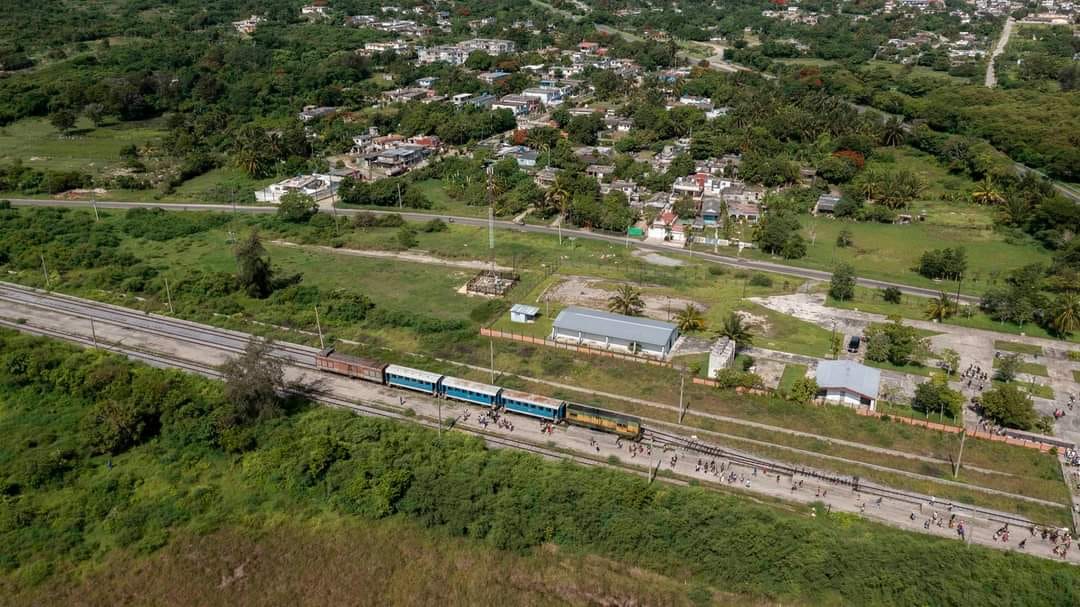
point(406, 237)
point(844, 239)
point(894, 342)
point(935, 396)
point(892, 132)
point(940, 308)
point(626, 300)
point(253, 267)
point(804, 390)
point(254, 150)
point(254, 382)
point(297, 207)
point(1008, 367)
point(986, 192)
point(689, 319)
point(1065, 314)
point(892, 295)
point(951, 358)
point(63, 120)
point(842, 285)
point(1007, 406)
point(735, 328)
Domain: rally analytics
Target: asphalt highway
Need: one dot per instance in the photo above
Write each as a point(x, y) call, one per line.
point(735, 262)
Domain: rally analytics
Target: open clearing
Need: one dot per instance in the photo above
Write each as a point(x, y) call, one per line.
point(594, 293)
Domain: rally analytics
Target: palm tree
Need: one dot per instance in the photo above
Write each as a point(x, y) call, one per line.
point(689, 319)
point(869, 184)
point(892, 132)
point(735, 329)
point(626, 300)
point(986, 192)
point(939, 308)
point(252, 150)
point(1066, 314)
point(558, 196)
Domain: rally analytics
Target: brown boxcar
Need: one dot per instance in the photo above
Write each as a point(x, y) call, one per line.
point(352, 366)
point(606, 421)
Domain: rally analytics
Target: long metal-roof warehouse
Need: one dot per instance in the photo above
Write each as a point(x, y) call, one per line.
point(605, 329)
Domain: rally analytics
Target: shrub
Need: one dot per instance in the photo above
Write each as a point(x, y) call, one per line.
point(758, 279)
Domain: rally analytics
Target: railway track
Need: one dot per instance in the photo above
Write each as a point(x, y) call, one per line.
point(234, 342)
point(666, 439)
point(316, 395)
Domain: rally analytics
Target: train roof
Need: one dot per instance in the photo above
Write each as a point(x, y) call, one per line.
point(426, 376)
point(365, 362)
point(535, 399)
point(599, 411)
point(464, 384)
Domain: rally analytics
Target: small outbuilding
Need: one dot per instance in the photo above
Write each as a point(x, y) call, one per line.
point(849, 383)
point(608, 330)
point(523, 313)
point(826, 203)
point(721, 355)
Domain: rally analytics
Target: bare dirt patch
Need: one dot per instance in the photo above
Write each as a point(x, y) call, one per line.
point(658, 259)
point(590, 293)
point(410, 256)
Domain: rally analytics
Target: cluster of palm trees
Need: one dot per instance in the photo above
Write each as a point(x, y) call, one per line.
point(891, 189)
point(627, 300)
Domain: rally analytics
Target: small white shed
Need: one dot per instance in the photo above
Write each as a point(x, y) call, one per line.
point(523, 313)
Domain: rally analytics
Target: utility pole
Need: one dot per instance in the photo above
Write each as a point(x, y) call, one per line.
point(93, 331)
point(168, 294)
point(93, 203)
point(399, 195)
point(682, 405)
point(561, 217)
point(959, 279)
point(963, 437)
point(438, 403)
point(491, 342)
point(318, 325)
point(45, 271)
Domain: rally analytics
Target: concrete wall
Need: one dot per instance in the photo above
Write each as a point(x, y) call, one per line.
point(847, 398)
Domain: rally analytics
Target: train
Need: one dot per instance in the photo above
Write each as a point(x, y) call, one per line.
point(476, 393)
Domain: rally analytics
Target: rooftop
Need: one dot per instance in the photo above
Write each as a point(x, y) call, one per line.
point(630, 328)
point(524, 309)
point(849, 375)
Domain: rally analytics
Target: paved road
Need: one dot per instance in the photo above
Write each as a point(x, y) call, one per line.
point(991, 74)
point(735, 262)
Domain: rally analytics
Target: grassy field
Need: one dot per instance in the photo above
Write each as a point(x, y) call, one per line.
point(913, 307)
point(1076, 375)
point(792, 373)
point(888, 251)
point(324, 560)
point(96, 151)
point(1027, 367)
point(1019, 348)
point(895, 69)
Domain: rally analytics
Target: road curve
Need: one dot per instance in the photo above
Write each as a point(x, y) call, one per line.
point(735, 262)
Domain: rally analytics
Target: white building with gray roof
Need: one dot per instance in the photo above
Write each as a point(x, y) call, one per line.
point(614, 331)
point(848, 383)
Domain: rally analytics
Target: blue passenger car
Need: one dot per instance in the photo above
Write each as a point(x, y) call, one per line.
point(413, 379)
point(533, 405)
point(470, 391)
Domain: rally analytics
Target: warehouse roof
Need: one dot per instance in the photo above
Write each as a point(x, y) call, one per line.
point(628, 328)
point(524, 309)
point(850, 376)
